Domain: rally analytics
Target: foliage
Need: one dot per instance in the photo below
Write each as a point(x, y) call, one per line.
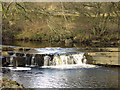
point(59, 21)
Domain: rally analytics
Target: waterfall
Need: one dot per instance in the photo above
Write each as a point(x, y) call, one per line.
point(11, 60)
point(78, 59)
point(38, 60)
point(28, 59)
point(33, 60)
point(47, 60)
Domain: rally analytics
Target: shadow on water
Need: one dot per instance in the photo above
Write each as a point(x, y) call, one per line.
point(37, 44)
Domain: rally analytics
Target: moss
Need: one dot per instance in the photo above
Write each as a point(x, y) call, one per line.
point(7, 83)
point(7, 49)
point(4, 53)
point(3, 78)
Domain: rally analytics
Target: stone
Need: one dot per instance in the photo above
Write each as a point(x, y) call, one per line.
point(7, 49)
point(27, 49)
point(103, 58)
point(28, 59)
point(10, 53)
point(20, 61)
point(3, 61)
point(4, 53)
point(39, 59)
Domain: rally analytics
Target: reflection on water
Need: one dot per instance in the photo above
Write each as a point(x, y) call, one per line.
point(66, 78)
point(36, 44)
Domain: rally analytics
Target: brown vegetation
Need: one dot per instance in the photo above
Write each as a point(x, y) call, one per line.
point(61, 22)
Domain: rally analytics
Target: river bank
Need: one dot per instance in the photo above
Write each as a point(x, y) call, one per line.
point(7, 83)
point(85, 29)
point(42, 44)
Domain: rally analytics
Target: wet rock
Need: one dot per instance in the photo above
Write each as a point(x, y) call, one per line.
point(51, 56)
point(5, 70)
point(8, 60)
point(15, 64)
point(17, 54)
point(28, 59)
point(70, 60)
point(20, 61)
point(51, 59)
point(103, 58)
point(89, 58)
point(84, 60)
point(20, 54)
point(7, 49)
point(3, 61)
point(21, 49)
point(0, 48)
point(10, 53)
point(39, 59)
point(27, 49)
point(111, 49)
point(32, 51)
point(4, 53)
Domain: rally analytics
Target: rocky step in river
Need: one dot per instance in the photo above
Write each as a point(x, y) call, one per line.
point(32, 57)
point(37, 60)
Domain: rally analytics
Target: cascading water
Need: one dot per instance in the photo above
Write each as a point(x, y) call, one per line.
point(69, 59)
point(47, 60)
point(33, 60)
point(48, 57)
point(67, 56)
point(11, 59)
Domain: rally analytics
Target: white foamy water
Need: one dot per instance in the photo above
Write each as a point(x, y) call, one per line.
point(54, 50)
point(57, 58)
point(62, 57)
point(68, 59)
point(71, 66)
point(18, 68)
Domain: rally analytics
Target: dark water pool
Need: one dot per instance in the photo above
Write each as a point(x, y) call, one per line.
point(82, 77)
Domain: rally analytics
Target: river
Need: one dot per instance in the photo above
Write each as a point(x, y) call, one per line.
point(80, 75)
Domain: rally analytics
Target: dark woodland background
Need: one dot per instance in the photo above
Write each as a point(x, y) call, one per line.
point(68, 22)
